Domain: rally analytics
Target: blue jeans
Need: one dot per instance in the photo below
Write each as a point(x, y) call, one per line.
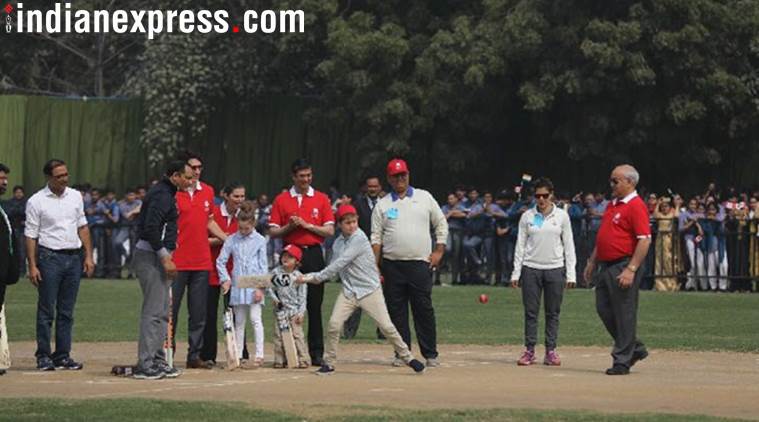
point(505, 246)
point(100, 245)
point(57, 292)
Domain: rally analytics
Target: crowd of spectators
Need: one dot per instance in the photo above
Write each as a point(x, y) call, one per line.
point(707, 241)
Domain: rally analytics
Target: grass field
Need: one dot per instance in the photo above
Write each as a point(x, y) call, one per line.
point(108, 310)
point(165, 410)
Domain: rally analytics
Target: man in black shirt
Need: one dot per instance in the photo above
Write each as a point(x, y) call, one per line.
point(152, 263)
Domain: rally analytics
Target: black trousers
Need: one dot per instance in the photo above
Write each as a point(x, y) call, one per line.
point(196, 283)
point(313, 260)
point(618, 309)
point(410, 283)
point(209, 350)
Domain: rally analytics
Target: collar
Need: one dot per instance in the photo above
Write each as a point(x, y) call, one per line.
point(198, 186)
point(550, 214)
point(627, 198)
point(409, 194)
point(49, 192)
point(295, 193)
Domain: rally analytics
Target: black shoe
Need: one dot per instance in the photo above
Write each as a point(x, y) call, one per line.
point(153, 373)
point(618, 370)
point(45, 364)
point(417, 366)
point(2, 372)
point(638, 356)
point(317, 362)
point(69, 364)
point(198, 364)
point(325, 370)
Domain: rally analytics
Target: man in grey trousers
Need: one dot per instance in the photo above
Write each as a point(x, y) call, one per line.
point(153, 265)
point(544, 263)
point(621, 246)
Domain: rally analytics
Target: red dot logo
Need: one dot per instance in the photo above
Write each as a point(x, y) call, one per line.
point(8, 8)
point(235, 29)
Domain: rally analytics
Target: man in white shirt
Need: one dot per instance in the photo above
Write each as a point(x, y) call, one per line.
point(56, 230)
point(544, 262)
point(402, 245)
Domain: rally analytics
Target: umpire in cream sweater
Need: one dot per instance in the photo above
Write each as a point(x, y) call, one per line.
point(402, 245)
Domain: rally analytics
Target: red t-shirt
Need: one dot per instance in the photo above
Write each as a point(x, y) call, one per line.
point(624, 222)
point(229, 226)
point(315, 208)
point(193, 252)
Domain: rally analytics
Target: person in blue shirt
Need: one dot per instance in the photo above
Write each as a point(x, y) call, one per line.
point(96, 221)
point(247, 248)
point(109, 207)
point(455, 214)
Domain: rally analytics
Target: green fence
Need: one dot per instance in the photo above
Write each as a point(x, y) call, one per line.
point(99, 139)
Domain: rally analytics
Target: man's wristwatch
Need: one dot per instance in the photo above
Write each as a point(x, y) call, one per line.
point(632, 268)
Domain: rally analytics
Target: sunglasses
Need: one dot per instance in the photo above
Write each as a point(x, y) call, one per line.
point(542, 195)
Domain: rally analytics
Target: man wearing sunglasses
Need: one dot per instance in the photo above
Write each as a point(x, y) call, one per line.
point(621, 245)
point(544, 262)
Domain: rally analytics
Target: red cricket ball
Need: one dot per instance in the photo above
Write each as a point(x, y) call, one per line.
point(484, 298)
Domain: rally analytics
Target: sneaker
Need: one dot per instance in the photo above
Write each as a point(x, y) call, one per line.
point(398, 362)
point(618, 370)
point(153, 373)
point(527, 359)
point(552, 358)
point(69, 364)
point(169, 372)
point(198, 364)
point(45, 364)
point(638, 356)
point(433, 363)
point(278, 365)
point(417, 366)
point(325, 370)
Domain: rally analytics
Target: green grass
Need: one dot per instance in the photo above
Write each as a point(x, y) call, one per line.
point(139, 410)
point(108, 310)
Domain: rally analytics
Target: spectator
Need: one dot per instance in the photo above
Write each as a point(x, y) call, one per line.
point(666, 258)
point(125, 231)
point(505, 236)
point(15, 208)
point(96, 220)
point(689, 231)
point(456, 217)
point(711, 230)
point(110, 208)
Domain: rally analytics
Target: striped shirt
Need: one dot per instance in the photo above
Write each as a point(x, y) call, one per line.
point(249, 255)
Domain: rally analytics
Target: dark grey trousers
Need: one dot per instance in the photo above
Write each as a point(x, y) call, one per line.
point(154, 319)
point(536, 283)
point(618, 309)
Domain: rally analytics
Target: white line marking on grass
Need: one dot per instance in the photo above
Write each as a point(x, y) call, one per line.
point(386, 390)
point(193, 386)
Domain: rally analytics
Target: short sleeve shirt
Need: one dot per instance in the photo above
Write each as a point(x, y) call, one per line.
point(624, 222)
point(193, 252)
point(314, 207)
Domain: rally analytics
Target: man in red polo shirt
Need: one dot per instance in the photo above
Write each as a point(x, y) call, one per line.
point(193, 257)
point(224, 215)
point(621, 245)
point(303, 216)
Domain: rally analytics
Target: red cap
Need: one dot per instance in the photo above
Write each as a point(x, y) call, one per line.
point(294, 251)
point(342, 210)
point(396, 166)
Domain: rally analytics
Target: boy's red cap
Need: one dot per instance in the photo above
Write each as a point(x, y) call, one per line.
point(396, 166)
point(343, 210)
point(294, 251)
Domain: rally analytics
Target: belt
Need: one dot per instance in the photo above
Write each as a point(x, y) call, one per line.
point(614, 262)
point(63, 251)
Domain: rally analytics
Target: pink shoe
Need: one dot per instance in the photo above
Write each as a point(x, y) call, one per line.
point(527, 359)
point(552, 358)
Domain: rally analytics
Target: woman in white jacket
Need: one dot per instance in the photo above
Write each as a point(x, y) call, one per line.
point(544, 263)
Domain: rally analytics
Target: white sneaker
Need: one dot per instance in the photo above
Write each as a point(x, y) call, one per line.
point(433, 363)
point(398, 362)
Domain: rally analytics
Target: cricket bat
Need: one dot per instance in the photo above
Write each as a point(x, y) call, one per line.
point(5, 353)
point(233, 361)
point(167, 344)
point(254, 281)
point(288, 340)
